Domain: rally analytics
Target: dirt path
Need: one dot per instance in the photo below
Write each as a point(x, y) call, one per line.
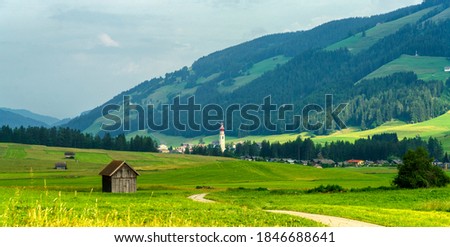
point(200, 198)
point(324, 219)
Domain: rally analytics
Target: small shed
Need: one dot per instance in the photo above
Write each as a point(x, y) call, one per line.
point(119, 177)
point(61, 166)
point(69, 155)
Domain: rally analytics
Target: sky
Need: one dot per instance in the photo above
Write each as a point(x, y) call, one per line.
point(61, 58)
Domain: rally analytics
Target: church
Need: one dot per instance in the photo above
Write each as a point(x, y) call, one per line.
point(222, 138)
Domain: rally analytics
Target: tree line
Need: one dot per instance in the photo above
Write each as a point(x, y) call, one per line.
point(378, 147)
point(66, 137)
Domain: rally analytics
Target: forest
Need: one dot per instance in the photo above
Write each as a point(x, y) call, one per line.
point(65, 137)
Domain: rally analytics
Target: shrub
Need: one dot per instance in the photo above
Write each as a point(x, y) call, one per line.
point(417, 171)
point(327, 189)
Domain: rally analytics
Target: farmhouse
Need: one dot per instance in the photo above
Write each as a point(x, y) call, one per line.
point(69, 155)
point(321, 162)
point(355, 162)
point(61, 166)
point(119, 177)
point(163, 149)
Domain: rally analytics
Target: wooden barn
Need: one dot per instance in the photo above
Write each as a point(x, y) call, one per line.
point(69, 155)
point(119, 177)
point(61, 166)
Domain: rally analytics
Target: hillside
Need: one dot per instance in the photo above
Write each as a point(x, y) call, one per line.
point(295, 68)
point(16, 120)
point(369, 37)
point(426, 68)
point(437, 127)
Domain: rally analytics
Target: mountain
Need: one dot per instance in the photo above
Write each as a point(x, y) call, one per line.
point(49, 121)
point(338, 58)
point(61, 122)
point(16, 120)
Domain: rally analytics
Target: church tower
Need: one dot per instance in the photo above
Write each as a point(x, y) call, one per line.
point(222, 138)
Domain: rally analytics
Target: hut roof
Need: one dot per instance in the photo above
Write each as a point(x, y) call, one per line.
point(114, 166)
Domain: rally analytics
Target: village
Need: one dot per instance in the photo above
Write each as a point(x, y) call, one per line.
point(320, 162)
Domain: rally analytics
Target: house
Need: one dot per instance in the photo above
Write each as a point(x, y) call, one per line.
point(382, 162)
point(355, 162)
point(324, 162)
point(304, 162)
point(61, 166)
point(289, 161)
point(369, 163)
point(163, 149)
point(69, 155)
point(397, 162)
point(119, 177)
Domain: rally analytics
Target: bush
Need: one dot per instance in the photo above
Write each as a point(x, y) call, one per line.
point(327, 189)
point(417, 171)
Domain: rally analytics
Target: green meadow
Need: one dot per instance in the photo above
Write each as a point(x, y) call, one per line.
point(426, 68)
point(361, 41)
point(438, 127)
point(33, 193)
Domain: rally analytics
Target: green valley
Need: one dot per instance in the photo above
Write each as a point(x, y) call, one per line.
point(33, 193)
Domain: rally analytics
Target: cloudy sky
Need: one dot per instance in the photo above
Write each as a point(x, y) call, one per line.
point(61, 58)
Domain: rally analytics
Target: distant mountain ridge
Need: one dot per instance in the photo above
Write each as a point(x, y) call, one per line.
point(14, 120)
point(22, 117)
point(48, 120)
point(301, 67)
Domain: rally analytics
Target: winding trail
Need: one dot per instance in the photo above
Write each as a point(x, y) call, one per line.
point(200, 198)
point(331, 221)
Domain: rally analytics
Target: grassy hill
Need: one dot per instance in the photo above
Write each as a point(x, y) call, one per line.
point(426, 68)
point(366, 39)
point(257, 70)
point(437, 127)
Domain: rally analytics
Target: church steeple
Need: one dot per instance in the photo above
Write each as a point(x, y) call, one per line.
point(222, 138)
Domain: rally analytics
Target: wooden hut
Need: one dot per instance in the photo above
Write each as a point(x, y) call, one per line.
point(69, 155)
point(61, 166)
point(119, 177)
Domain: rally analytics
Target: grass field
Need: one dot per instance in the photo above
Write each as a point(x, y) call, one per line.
point(426, 68)
point(359, 42)
point(388, 208)
point(32, 193)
